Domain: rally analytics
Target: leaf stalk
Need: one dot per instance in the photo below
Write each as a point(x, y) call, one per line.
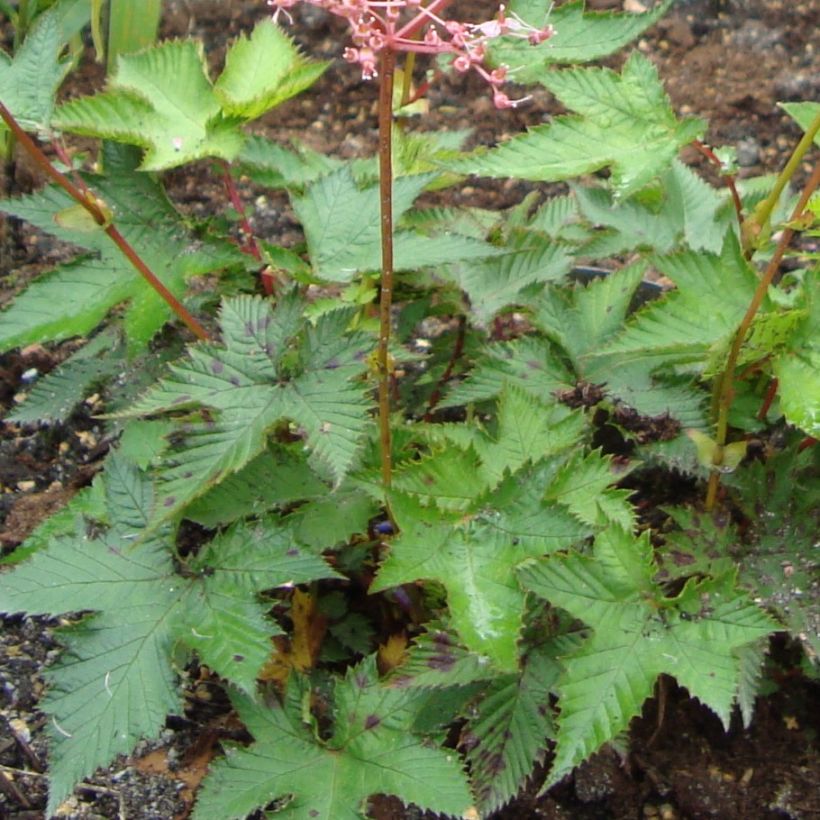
point(725, 386)
point(97, 214)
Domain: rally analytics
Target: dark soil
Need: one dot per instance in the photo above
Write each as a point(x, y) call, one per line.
point(729, 62)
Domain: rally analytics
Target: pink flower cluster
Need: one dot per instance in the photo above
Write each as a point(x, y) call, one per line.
point(412, 26)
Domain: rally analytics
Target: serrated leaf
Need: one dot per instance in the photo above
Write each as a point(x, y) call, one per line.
point(584, 486)
point(278, 476)
point(526, 432)
point(242, 384)
point(162, 100)
point(341, 224)
point(437, 658)
point(501, 281)
point(639, 634)
point(582, 320)
point(55, 395)
point(580, 36)
point(451, 478)
point(799, 389)
point(223, 621)
point(474, 557)
point(116, 681)
point(529, 363)
point(72, 299)
point(262, 71)
point(29, 81)
point(712, 296)
point(370, 751)
point(510, 729)
point(623, 122)
point(271, 164)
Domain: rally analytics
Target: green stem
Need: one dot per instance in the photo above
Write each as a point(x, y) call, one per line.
point(725, 391)
point(757, 222)
point(97, 214)
point(383, 366)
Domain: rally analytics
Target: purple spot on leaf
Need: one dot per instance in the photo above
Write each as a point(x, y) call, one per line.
point(234, 380)
point(170, 501)
point(181, 400)
point(361, 681)
point(249, 329)
point(217, 366)
point(442, 663)
point(371, 722)
point(239, 658)
point(332, 364)
point(292, 552)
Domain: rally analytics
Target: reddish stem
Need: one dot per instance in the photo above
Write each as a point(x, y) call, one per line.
point(89, 202)
point(730, 178)
point(386, 75)
point(771, 392)
point(458, 349)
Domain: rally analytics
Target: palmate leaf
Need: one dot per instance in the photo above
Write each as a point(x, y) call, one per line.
point(246, 393)
point(371, 750)
point(162, 99)
point(116, 682)
point(623, 122)
point(72, 299)
point(341, 223)
point(580, 36)
point(638, 634)
point(526, 431)
point(474, 557)
point(29, 82)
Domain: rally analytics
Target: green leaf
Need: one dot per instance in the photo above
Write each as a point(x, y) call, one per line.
point(278, 476)
point(341, 224)
point(639, 633)
point(799, 389)
point(437, 658)
point(72, 299)
point(804, 114)
point(529, 363)
point(474, 557)
point(509, 730)
point(580, 36)
point(262, 71)
point(268, 163)
point(54, 396)
point(583, 319)
point(505, 280)
point(162, 100)
point(713, 293)
point(371, 751)
point(226, 625)
point(116, 681)
point(623, 122)
point(247, 393)
point(29, 82)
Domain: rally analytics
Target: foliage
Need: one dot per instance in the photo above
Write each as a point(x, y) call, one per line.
point(525, 591)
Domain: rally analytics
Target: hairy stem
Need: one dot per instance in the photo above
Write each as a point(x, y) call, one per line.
point(96, 212)
point(725, 391)
point(386, 73)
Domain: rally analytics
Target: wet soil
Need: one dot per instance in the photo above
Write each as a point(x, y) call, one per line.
point(729, 62)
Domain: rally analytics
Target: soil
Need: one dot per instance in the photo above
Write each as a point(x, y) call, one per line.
point(729, 62)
